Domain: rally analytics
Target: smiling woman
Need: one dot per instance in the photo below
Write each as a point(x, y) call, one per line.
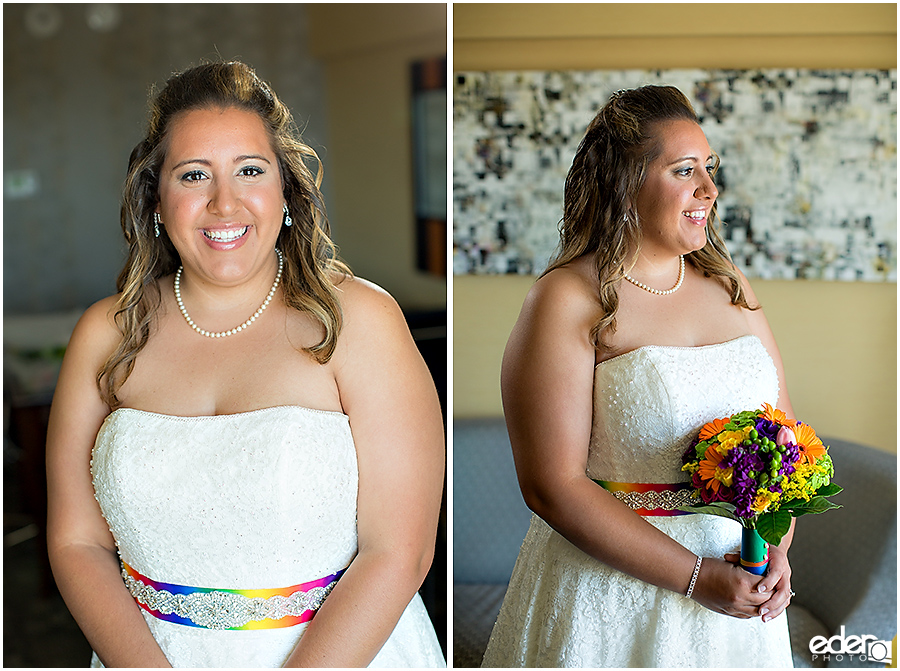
point(227, 198)
point(220, 189)
point(678, 192)
point(617, 359)
point(246, 425)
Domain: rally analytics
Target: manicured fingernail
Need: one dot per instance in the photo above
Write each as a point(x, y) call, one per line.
point(762, 588)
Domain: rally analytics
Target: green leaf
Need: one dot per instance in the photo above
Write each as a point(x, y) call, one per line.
point(815, 505)
point(773, 526)
point(790, 503)
point(720, 509)
point(829, 490)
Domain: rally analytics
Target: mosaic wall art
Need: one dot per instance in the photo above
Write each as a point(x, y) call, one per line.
point(808, 181)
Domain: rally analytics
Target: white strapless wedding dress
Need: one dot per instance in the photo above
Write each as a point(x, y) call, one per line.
point(564, 608)
point(252, 501)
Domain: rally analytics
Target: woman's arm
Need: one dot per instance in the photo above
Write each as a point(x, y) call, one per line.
point(395, 416)
point(81, 548)
point(547, 383)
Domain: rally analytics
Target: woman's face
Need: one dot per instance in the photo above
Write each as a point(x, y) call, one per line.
point(678, 193)
point(220, 196)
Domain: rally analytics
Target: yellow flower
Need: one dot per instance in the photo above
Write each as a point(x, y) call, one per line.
point(796, 487)
point(731, 439)
point(764, 499)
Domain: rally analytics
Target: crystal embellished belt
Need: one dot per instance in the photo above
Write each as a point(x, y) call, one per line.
point(212, 608)
point(651, 499)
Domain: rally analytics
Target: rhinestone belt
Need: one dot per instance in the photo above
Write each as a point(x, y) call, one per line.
point(212, 608)
point(651, 499)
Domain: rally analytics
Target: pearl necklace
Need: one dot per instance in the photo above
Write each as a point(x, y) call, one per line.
point(659, 292)
point(236, 329)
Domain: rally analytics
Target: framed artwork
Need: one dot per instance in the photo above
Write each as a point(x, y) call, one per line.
point(807, 183)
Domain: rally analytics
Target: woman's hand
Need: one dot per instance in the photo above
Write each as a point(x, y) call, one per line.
point(776, 583)
point(724, 587)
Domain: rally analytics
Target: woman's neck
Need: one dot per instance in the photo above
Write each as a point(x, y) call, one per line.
point(653, 266)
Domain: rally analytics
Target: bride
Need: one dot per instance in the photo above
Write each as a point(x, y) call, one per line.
point(640, 331)
point(245, 454)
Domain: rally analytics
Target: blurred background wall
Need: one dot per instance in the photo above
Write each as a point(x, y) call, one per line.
point(76, 81)
point(366, 64)
point(841, 359)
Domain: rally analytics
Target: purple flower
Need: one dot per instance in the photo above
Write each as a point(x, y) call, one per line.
point(744, 460)
point(768, 429)
point(742, 502)
point(690, 453)
point(790, 457)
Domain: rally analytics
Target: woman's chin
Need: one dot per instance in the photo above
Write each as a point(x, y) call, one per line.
point(697, 242)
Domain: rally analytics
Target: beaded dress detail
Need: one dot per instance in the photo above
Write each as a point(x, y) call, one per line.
point(251, 501)
point(564, 608)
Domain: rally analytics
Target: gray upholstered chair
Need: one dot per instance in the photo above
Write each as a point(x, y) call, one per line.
point(844, 562)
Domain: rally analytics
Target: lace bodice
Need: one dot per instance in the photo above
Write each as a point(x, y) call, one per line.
point(649, 404)
point(215, 498)
point(251, 501)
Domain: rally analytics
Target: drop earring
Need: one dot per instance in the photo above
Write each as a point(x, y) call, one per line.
point(287, 216)
point(156, 223)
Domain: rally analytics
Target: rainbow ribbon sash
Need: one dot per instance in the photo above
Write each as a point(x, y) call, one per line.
point(212, 608)
point(651, 499)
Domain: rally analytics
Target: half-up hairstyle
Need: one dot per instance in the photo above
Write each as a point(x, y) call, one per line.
point(310, 257)
point(599, 215)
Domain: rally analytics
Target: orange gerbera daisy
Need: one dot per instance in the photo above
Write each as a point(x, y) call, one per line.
point(709, 469)
point(777, 416)
point(811, 447)
point(712, 428)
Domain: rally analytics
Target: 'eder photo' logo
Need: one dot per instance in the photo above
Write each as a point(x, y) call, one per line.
point(865, 648)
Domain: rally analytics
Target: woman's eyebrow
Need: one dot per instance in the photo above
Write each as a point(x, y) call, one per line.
point(237, 159)
point(201, 161)
point(246, 157)
point(690, 158)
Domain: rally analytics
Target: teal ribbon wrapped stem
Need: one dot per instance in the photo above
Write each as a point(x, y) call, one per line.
point(754, 552)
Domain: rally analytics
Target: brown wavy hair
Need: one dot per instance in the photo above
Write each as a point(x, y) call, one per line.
point(310, 257)
point(609, 168)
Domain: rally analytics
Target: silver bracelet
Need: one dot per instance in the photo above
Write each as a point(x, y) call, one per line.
point(694, 577)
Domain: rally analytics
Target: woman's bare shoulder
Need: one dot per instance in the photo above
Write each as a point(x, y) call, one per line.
point(372, 319)
point(101, 316)
point(77, 403)
point(568, 291)
point(361, 298)
point(96, 334)
point(376, 364)
point(558, 315)
point(745, 285)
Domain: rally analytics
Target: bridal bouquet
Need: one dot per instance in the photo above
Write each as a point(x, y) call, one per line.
point(760, 468)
